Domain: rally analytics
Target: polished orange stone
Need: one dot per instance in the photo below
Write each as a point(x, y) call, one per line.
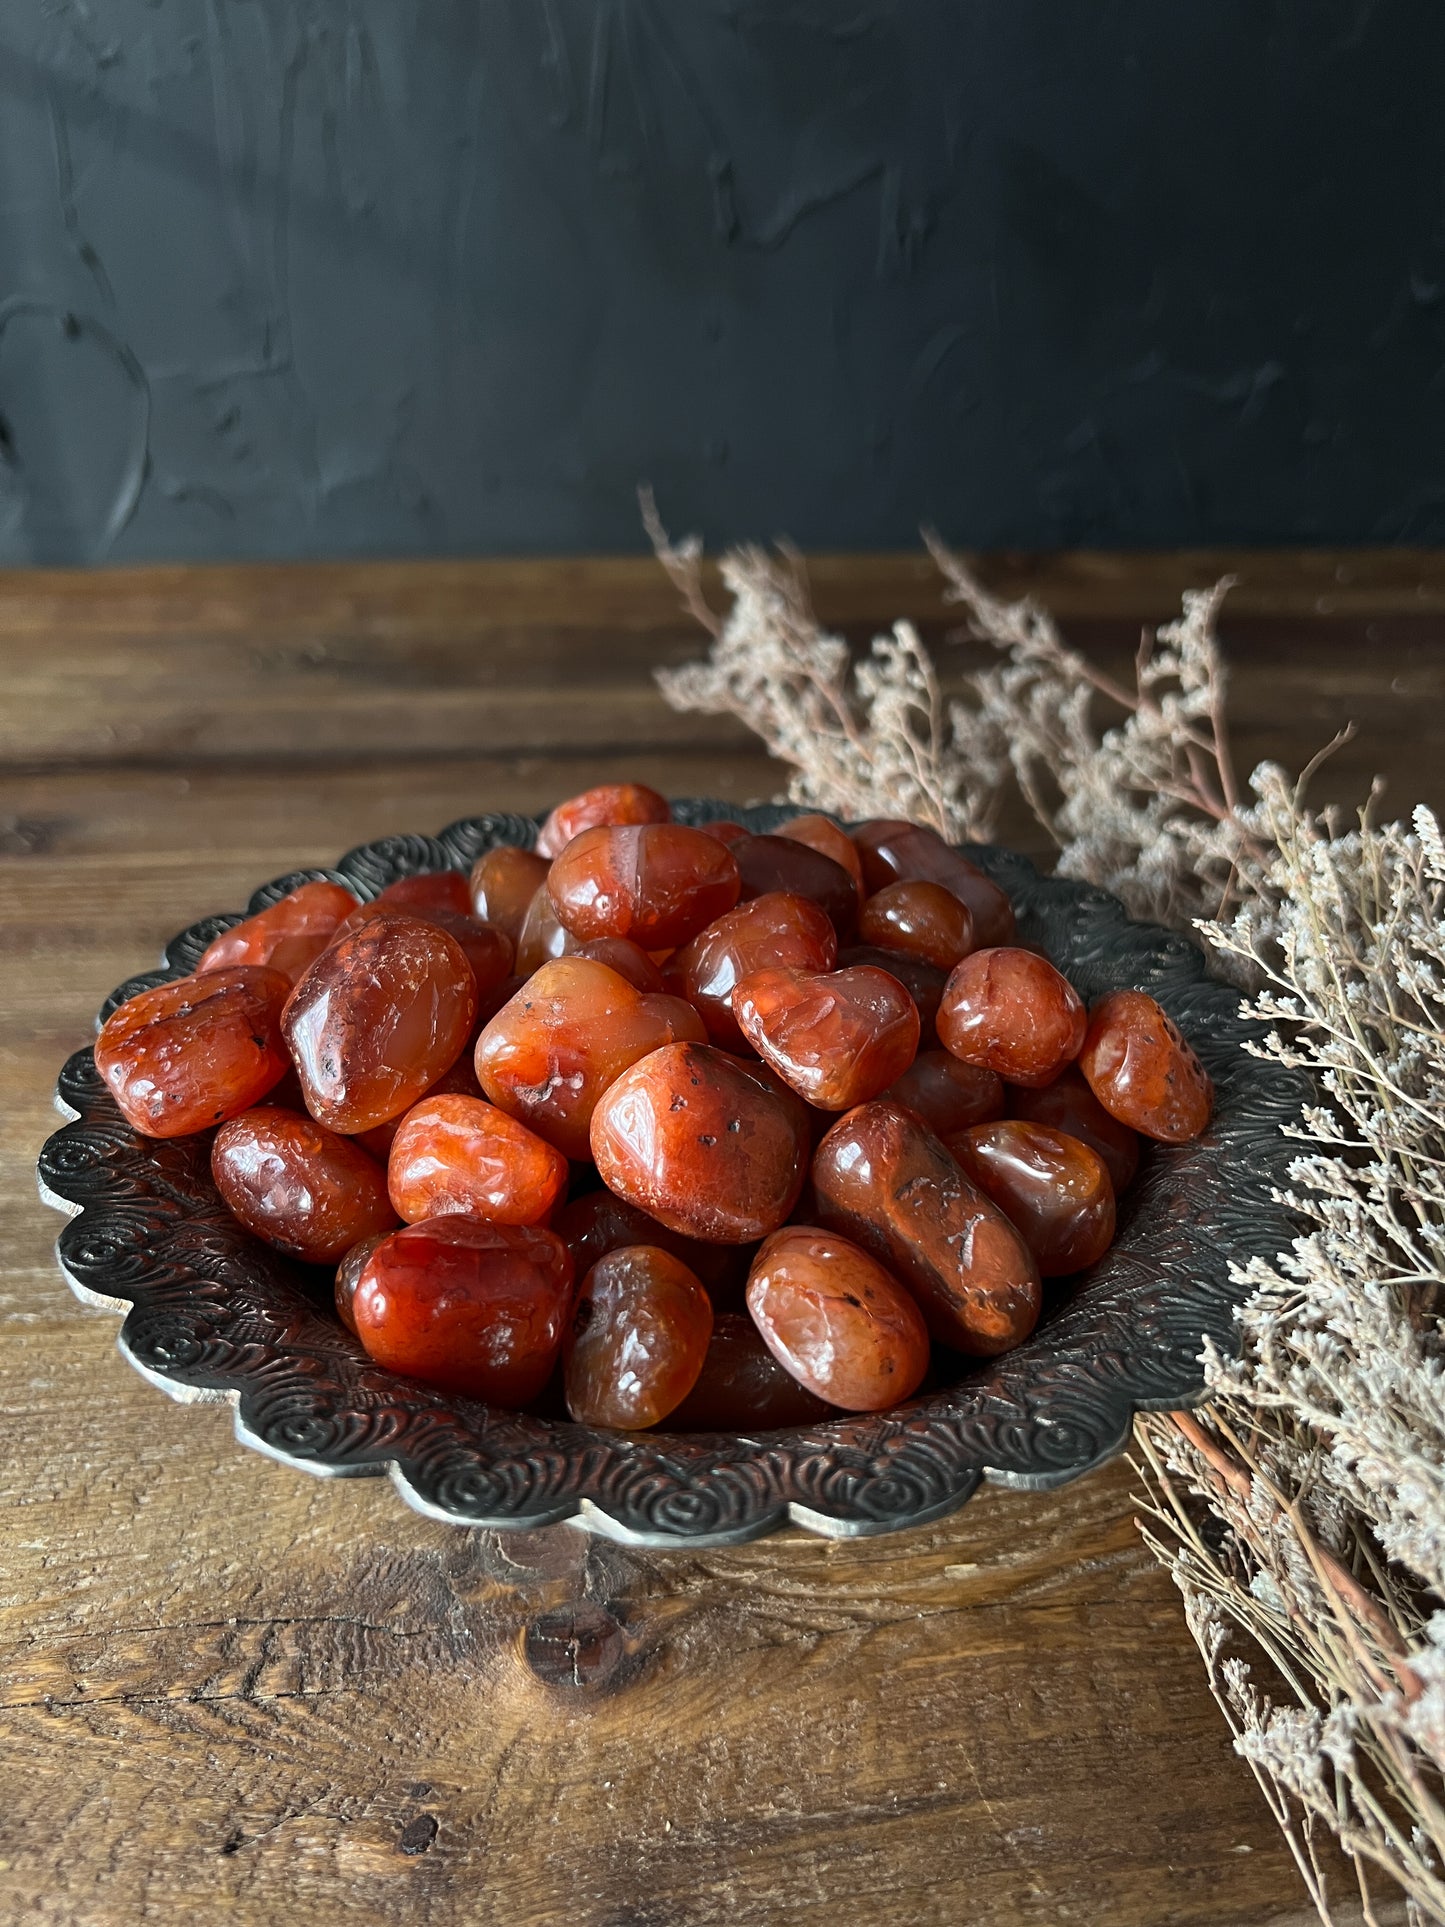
point(298, 1186)
point(743, 1388)
point(921, 920)
point(1069, 1105)
point(923, 982)
point(476, 1309)
point(459, 1081)
point(348, 1277)
point(821, 833)
point(628, 959)
point(604, 806)
point(462, 1154)
point(657, 883)
point(504, 881)
point(1143, 1071)
point(946, 1095)
point(698, 1139)
point(1010, 1011)
point(488, 950)
point(377, 1019)
point(432, 890)
point(772, 865)
point(1054, 1188)
point(836, 1320)
point(575, 1026)
point(598, 1222)
point(885, 1181)
point(891, 851)
point(639, 1334)
point(288, 936)
point(778, 930)
point(189, 1054)
point(542, 937)
point(837, 1038)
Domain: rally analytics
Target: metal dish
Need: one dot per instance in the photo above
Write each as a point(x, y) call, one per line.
point(211, 1315)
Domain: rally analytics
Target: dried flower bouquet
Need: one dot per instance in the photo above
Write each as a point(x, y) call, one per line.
point(1301, 1510)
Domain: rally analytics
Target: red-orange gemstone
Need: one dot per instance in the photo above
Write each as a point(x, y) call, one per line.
point(773, 865)
point(475, 1309)
point(899, 852)
point(696, 1138)
point(548, 1055)
point(542, 938)
point(1053, 1188)
point(377, 1019)
point(462, 1154)
point(743, 1388)
point(1143, 1071)
point(628, 959)
point(885, 1181)
point(657, 883)
point(298, 1186)
point(640, 1332)
point(288, 936)
point(599, 1222)
point(923, 982)
point(487, 950)
point(837, 1038)
point(433, 890)
point(459, 1081)
point(1069, 1105)
point(833, 1317)
point(1012, 1012)
point(921, 920)
point(189, 1054)
point(780, 931)
point(821, 833)
point(348, 1277)
point(608, 804)
point(504, 881)
point(946, 1095)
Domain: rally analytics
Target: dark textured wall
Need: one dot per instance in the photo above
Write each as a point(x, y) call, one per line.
point(300, 277)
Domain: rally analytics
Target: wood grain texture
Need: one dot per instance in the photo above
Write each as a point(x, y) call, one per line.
point(230, 1692)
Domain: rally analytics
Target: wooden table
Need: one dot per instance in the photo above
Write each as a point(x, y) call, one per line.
point(234, 1693)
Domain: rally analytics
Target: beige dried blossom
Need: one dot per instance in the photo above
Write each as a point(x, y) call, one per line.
point(1320, 1455)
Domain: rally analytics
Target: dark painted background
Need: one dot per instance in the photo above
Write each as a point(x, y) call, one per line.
point(311, 277)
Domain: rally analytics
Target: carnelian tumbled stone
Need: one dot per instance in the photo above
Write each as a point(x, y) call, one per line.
point(700, 1140)
point(292, 933)
point(1012, 1012)
point(504, 881)
point(946, 1095)
point(657, 883)
point(541, 937)
point(298, 1186)
point(475, 1309)
point(628, 959)
point(420, 895)
point(463, 1154)
point(821, 833)
point(833, 1317)
point(607, 804)
point(837, 1039)
point(743, 1388)
point(899, 852)
point(770, 865)
point(1069, 1105)
point(348, 1277)
point(459, 1081)
point(186, 1055)
point(919, 919)
point(548, 1055)
point(487, 949)
point(885, 1181)
point(599, 1222)
point(923, 982)
point(1143, 1071)
point(1054, 1188)
point(640, 1331)
point(777, 930)
point(377, 1018)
